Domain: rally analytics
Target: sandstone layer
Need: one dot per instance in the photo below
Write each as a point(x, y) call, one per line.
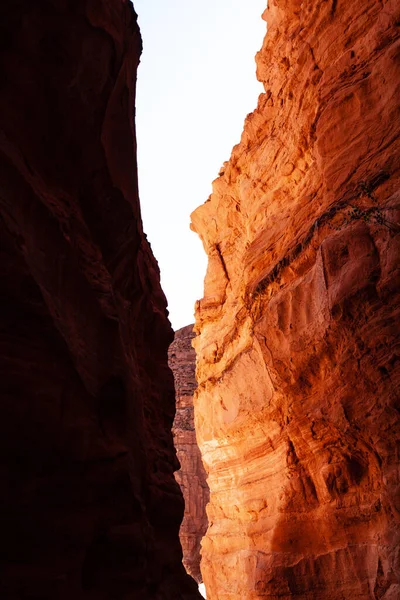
point(297, 409)
point(89, 504)
point(191, 476)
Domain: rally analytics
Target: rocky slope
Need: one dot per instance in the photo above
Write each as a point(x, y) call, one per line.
point(89, 505)
point(191, 476)
point(297, 408)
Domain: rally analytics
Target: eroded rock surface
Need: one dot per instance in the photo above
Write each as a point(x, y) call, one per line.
point(191, 476)
point(89, 505)
point(297, 410)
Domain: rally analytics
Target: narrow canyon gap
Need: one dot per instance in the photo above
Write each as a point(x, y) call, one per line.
point(191, 476)
point(297, 407)
point(89, 505)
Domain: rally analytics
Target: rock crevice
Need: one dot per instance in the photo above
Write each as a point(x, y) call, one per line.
point(191, 476)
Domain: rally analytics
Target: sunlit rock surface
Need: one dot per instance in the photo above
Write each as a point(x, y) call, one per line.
point(297, 410)
point(89, 506)
point(191, 476)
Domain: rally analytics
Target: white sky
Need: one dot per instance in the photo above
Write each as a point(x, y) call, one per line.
point(196, 84)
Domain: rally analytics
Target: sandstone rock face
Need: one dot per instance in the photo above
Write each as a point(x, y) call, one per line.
point(89, 505)
point(297, 410)
point(191, 476)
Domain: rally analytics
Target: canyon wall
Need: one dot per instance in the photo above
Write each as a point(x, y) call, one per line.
point(191, 476)
point(89, 504)
point(297, 408)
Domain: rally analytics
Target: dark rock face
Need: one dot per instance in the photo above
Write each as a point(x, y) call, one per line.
point(89, 504)
point(191, 476)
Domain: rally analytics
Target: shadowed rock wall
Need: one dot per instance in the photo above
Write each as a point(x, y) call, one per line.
point(297, 409)
point(191, 476)
point(89, 507)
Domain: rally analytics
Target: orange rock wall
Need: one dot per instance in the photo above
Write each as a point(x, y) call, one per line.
point(191, 476)
point(297, 409)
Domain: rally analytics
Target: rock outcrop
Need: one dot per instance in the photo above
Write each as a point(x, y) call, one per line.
point(191, 476)
point(297, 409)
point(89, 504)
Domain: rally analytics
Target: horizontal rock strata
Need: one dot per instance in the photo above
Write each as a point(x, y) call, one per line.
point(297, 409)
point(191, 476)
point(89, 506)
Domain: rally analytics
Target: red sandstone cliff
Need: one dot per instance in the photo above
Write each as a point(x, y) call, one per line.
point(297, 409)
point(89, 505)
point(191, 476)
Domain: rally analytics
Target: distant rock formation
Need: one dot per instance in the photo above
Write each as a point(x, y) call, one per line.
point(191, 476)
point(89, 504)
point(298, 360)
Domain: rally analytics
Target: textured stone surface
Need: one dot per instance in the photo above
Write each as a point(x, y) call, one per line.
point(89, 507)
point(191, 476)
point(297, 410)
